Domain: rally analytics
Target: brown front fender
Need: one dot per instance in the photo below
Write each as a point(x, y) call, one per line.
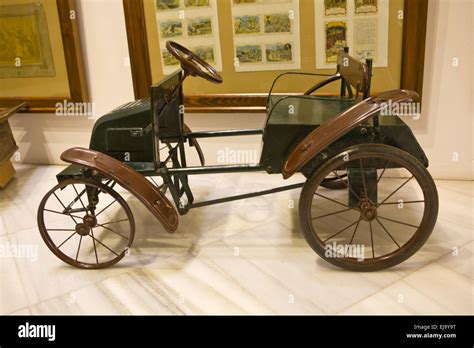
point(339, 125)
point(125, 176)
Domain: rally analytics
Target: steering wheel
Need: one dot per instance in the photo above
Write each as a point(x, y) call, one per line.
point(192, 64)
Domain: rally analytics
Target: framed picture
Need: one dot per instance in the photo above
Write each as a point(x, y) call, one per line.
point(256, 43)
point(40, 55)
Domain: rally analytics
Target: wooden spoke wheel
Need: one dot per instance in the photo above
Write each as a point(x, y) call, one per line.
point(385, 214)
point(86, 224)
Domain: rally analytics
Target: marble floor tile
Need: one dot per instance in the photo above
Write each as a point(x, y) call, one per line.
point(275, 253)
point(210, 224)
point(180, 285)
point(12, 287)
point(19, 200)
point(398, 298)
point(122, 294)
point(444, 286)
point(63, 278)
point(196, 286)
point(465, 187)
point(89, 299)
point(23, 311)
point(15, 216)
point(3, 227)
point(460, 260)
point(280, 295)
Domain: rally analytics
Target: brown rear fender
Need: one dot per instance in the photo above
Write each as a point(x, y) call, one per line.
point(125, 176)
point(339, 125)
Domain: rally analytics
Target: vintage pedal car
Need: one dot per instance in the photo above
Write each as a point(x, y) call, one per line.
point(368, 202)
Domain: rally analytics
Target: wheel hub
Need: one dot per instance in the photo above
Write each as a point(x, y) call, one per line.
point(86, 225)
point(90, 220)
point(82, 229)
point(368, 211)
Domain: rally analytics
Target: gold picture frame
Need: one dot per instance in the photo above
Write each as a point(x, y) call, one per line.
point(57, 30)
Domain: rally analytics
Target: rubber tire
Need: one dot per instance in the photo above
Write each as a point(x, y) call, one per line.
point(409, 248)
point(52, 246)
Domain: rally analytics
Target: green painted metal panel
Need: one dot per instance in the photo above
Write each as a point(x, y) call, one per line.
point(285, 130)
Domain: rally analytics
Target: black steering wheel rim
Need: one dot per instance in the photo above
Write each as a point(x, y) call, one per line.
point(192, 64)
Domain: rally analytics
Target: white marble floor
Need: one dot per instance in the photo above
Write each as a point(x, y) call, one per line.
point(234, 258)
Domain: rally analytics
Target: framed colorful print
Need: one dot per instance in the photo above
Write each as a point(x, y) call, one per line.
point(251, 42)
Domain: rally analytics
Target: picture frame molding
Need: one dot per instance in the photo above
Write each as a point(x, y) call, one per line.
point(74, 64)
point(413, 53)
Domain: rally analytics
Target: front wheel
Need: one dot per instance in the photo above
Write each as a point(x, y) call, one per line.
point(86, 223)
point(385, 214)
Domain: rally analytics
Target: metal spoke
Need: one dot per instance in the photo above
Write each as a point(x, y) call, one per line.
point(113, 222)
point(78, 248)
point(380, 177)
point(335, 178)
point(60, 245)
point(407, 202)
point(383, 171)
point(345, 228)
point(58, 212)
point(96, 215)
point(80, 199)
point(398, 245)
point(105, 246)
point(110, 183)
point(332, 200)
point(355, 230)
point(171, 151)
point(111, 230)
point(347, 185)
point(337, 212)
point(65, 209)
point(398, 222)
point(372, 239)
point(95, 248)
point(60, 229)
point(340, 177)
point(396, 190)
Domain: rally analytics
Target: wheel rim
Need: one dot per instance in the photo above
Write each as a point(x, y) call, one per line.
point(363, 232)
point(86, 224)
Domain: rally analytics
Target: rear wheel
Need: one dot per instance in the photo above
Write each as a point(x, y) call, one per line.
point(85, 223)
point(385, 214)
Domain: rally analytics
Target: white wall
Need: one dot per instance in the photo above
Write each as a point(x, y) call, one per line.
point(446, 126)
